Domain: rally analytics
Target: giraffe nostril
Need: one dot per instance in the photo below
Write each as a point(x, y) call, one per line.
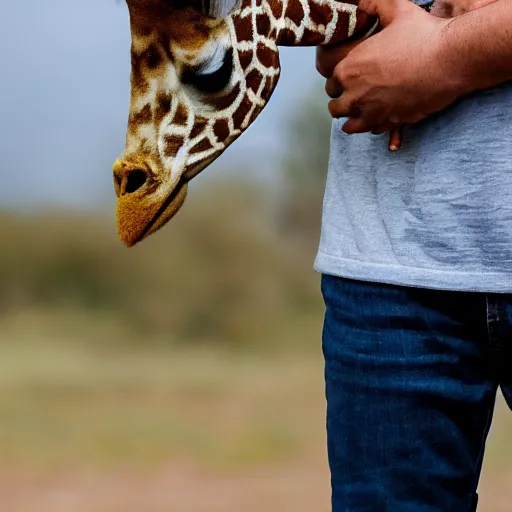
point(135, 180)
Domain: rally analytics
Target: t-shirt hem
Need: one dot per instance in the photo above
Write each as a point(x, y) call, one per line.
point(436, 279)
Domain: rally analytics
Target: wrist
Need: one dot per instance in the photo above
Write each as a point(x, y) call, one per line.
point(454, 69)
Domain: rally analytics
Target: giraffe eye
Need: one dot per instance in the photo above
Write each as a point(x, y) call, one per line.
point(206, 81)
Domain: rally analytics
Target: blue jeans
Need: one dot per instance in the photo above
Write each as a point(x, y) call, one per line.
point(411, 382)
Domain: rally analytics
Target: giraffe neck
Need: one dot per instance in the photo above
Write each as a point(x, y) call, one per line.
point(319, 22)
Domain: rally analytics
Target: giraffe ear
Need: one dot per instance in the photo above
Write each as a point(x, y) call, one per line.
point(219, 8)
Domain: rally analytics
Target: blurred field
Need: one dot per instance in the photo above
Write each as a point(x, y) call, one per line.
point(162, 430)
point(62, 405)
point(184, 375)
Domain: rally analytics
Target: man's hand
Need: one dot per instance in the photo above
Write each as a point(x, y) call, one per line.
point(397, 76)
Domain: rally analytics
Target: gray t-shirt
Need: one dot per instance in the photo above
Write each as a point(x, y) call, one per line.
point(435, 214)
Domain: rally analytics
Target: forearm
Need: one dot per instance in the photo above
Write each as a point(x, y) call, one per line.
point(477, 47)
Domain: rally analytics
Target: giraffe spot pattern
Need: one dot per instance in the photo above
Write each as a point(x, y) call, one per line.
point(268, 89)
point(221, 129)
point(254, 115)
point(225, 101)
point(342, 27)
point(138, 80)
point(202, 145)
point(152, 57)
point(294, 12)
point(243, 29)
point(172, 143)
point(287, 37)
point(253, 80)
point(199, 124)
point(260, 66)
point(268, 57)
point(320, 14)
point(245, 58)
point(181, 115)
point(262, 24)
point(241, 113)
point(143, 116)
point(276, 7)
point(312, 38)
point(163, 106)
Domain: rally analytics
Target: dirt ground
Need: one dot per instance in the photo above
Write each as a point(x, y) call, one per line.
point(183, 489)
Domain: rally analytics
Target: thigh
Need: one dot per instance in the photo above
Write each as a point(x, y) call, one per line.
point(410, 395)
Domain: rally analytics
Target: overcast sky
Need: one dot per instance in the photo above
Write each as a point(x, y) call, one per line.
point(64, 87)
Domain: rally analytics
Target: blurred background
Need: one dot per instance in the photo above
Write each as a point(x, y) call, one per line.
point(184, 375)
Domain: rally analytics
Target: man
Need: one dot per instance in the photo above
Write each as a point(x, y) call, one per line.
point(416, 256)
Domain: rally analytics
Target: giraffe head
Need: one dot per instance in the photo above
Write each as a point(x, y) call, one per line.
point(198, 80)
point(202, 71)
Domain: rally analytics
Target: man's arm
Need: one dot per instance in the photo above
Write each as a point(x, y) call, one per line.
point(417, 65)
point(479, 44)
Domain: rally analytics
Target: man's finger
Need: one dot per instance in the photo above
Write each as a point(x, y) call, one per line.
point(328, 57)
point(333, 88)
point(387, 10)
point(344, 106)
point(355, 125)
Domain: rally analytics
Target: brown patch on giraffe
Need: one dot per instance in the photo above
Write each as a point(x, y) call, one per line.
point(241, 112)
point(253, 80)
point(163, 106)
point(263, 24)
point(254, 115)
point(243, 29)
point(199, 124)
point(245, 58)
point(320, 14)
point(266, 56)
point(342, 27)
point(152, 57)
point(221, 129)
point(294, 12)
point(143, 31)
point(143, 116)
point(312, 38)
point(225, 101)
point(202, 145)
point(276, 6)
point(287, 37)
point(172, 143)
point(181, 115)
point(268, 89)
point(184, 27)
point(138, 80)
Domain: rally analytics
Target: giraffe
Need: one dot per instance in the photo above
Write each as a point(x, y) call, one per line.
point(201, 73)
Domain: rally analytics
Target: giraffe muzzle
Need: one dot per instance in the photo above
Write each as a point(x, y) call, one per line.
point(144, 203)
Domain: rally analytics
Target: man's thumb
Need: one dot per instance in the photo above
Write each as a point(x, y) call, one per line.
point(386, 10)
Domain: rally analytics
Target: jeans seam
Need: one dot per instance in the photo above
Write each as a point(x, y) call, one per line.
point(492, 319)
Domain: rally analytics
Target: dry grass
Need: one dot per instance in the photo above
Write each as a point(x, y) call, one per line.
point(65, 406)
point(154, 430)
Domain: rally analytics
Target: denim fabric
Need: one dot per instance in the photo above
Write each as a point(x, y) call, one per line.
point(411, 380)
